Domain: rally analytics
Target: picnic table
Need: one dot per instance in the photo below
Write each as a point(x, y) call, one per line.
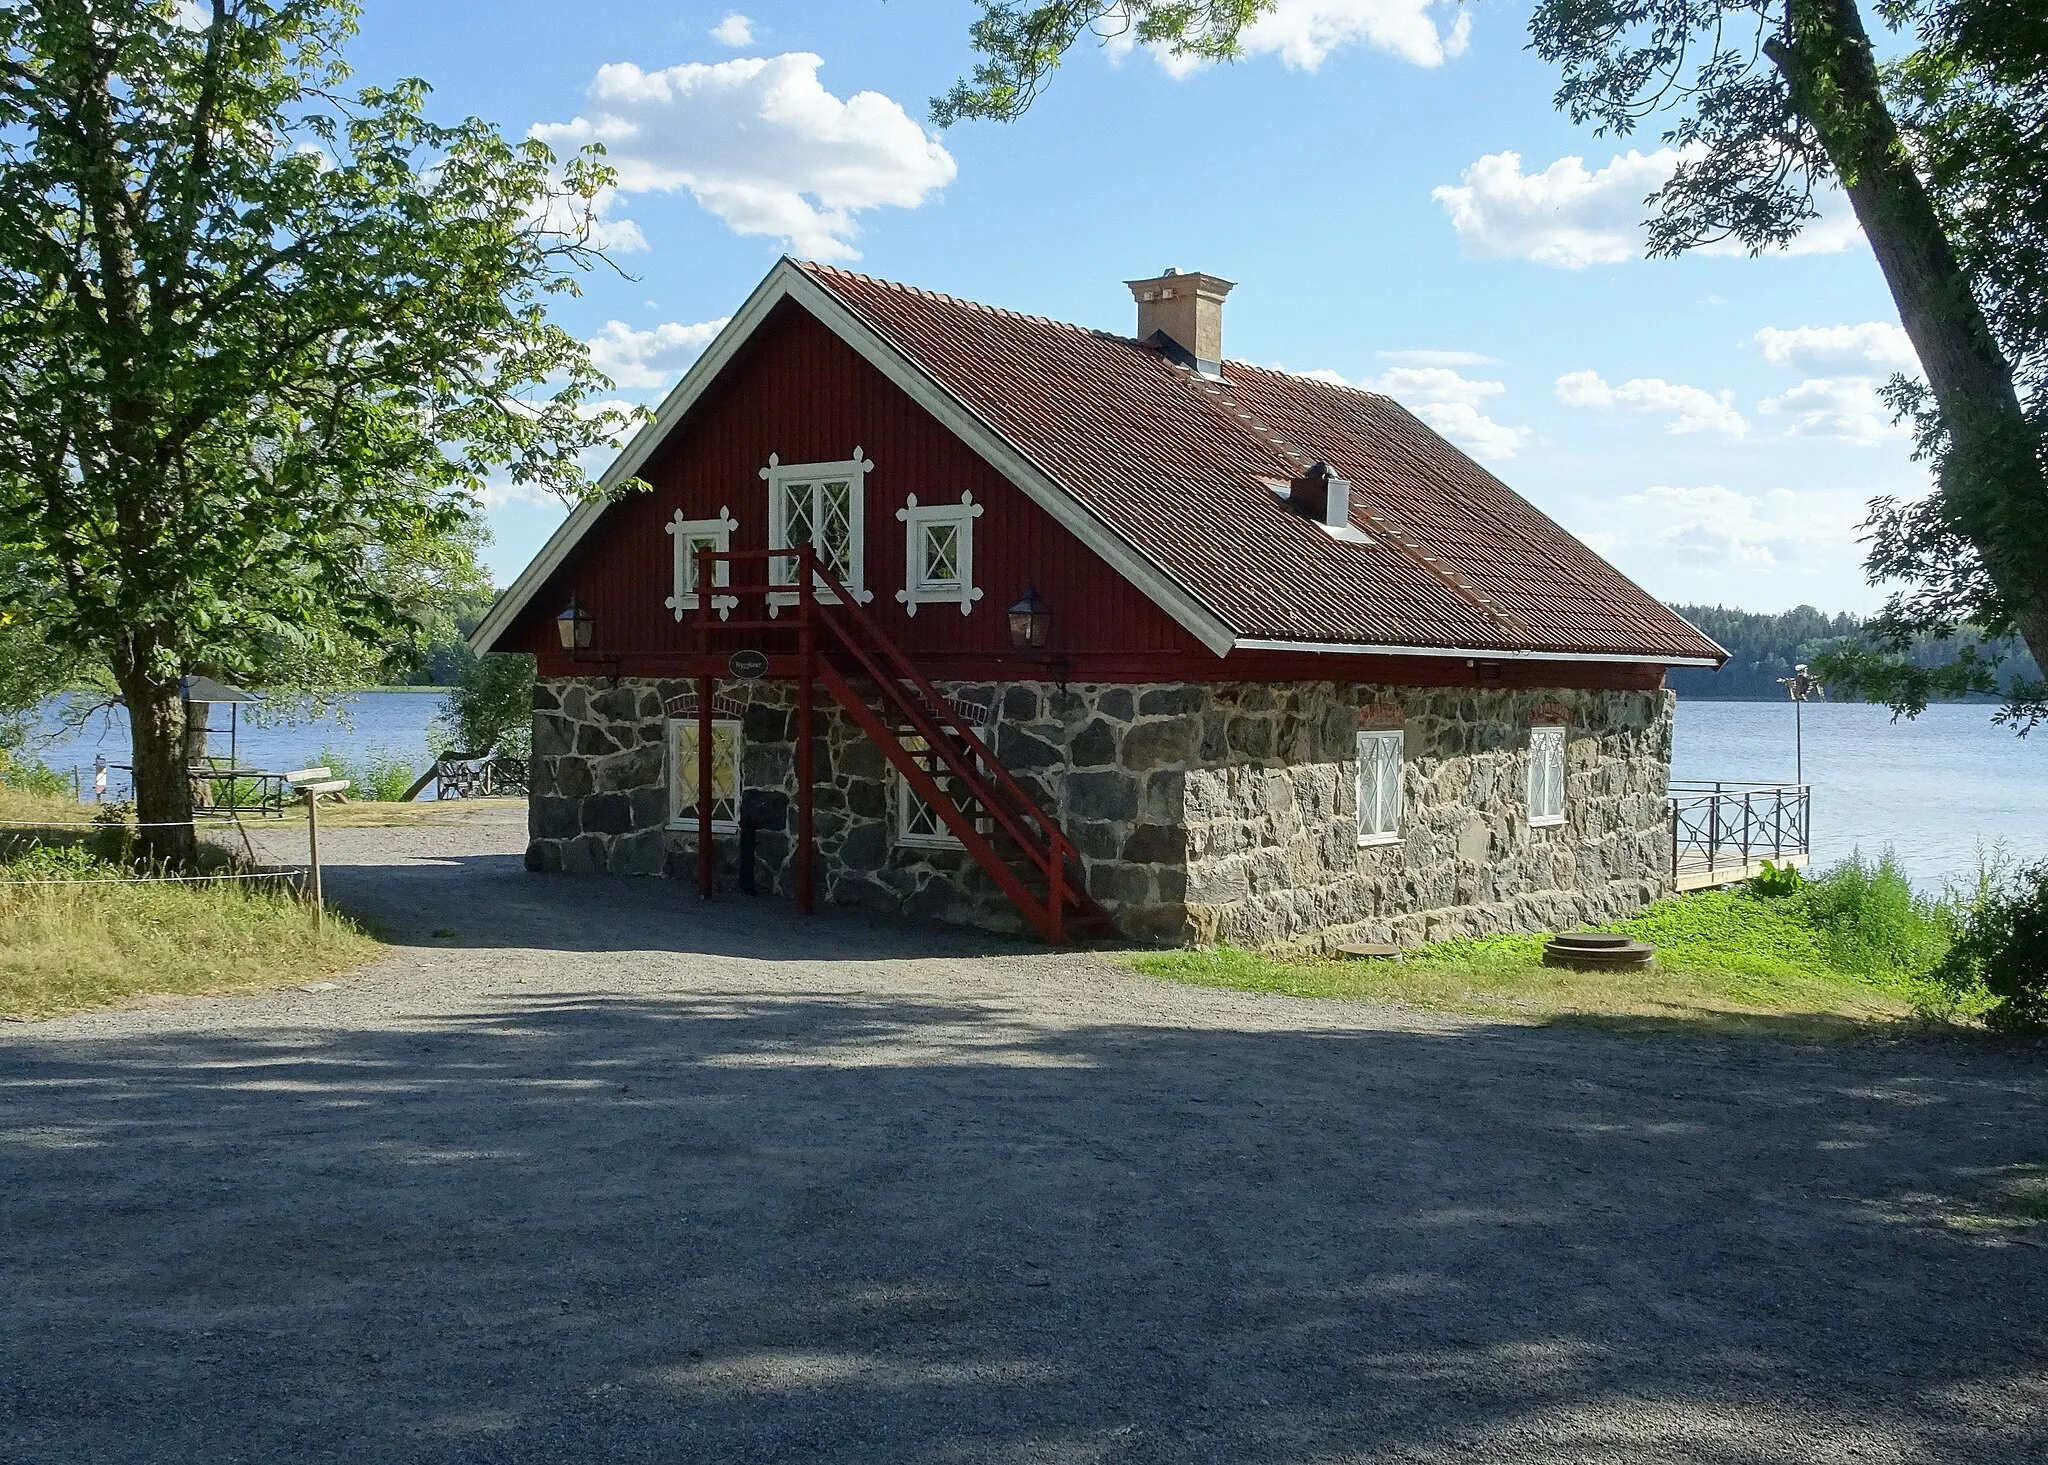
point(231, 790)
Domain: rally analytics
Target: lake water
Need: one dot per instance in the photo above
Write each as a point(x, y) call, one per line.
point(1933, 790)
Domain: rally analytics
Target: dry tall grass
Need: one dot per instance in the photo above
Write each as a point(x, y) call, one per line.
point(72, 944)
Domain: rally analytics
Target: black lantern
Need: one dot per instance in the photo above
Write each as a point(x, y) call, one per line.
point(1030, 622)
point(575, 626)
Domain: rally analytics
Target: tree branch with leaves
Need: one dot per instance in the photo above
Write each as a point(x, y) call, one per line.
point(261, 339)
point(1770, 103)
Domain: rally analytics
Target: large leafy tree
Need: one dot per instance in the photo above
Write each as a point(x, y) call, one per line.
point(1771, 101)
point(261, 338)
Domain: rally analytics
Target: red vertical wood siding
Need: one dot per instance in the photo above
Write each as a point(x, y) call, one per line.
point(801, 393)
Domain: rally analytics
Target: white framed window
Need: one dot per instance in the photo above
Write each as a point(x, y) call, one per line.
point(918, 825)
point(822, 505)
point(725, 774)
point(1381, 757)
point(938, 554)
point(1546, 775)
point(691, 535)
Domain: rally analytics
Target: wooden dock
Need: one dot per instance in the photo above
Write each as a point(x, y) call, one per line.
point(1694, 872)
point(1723, 832)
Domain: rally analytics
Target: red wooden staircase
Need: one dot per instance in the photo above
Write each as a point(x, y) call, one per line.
point(1019, 845)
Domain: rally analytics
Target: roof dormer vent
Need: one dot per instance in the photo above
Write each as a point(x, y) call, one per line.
point(1323, 496)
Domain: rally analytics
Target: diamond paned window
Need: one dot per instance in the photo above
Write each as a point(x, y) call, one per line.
point(938, 554)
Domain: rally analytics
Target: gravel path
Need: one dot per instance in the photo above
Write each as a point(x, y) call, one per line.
point(608, 1175)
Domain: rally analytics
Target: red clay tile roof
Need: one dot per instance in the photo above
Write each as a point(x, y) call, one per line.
point(1181, 467)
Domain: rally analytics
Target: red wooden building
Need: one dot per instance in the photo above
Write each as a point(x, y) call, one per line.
point(1098, 627)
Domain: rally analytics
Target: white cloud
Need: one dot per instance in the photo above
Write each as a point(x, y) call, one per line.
point(761, 144)
point(1303, 33)
point(1711, 530)
point(1873, 343)
point(1571, 217)
point(1439, 358)
point(1448, 402)
point(644, 360)
point(735, 30)
point(1691, 409)
point(1846, 407)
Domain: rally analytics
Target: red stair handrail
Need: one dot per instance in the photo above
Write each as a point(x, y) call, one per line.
point(931, 717)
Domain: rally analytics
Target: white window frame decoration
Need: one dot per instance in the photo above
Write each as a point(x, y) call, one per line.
point(782, 478)
point(918, 826)
point(1546, 774)
point(682, 774)
point(1382, 764)
point(919, 586)
point(688, 535)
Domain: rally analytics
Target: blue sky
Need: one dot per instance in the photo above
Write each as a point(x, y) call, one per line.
point(1706, 423)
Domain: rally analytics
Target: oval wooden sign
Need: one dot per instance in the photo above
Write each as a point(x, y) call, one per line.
point(748, 666)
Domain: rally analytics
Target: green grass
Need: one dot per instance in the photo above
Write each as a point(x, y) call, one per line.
point(1846, 953)
point(68, 942)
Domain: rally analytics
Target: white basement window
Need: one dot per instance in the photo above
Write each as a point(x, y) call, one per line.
point(725, 774)
point(1546, 775)
point(918, 824)
point(691, 535)
point(819, 504)
point(938, 554)
point(1380, 759)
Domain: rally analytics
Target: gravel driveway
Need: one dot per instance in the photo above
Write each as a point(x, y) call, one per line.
point(610, 1175)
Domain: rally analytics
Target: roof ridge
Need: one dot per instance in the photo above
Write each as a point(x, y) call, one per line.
point(901, 288)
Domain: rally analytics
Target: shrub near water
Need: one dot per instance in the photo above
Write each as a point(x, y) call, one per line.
point(2001, 949)
point(377, 774)
point(1872, 922)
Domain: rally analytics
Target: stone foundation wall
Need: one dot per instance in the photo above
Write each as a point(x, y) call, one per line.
point(1202, 812)
point(1273, 856)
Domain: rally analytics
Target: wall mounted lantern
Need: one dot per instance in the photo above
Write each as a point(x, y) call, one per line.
point(575, 626)
point(1030, 622)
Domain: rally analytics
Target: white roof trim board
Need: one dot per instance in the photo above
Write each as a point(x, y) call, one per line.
point(1347, 648)
point(788, 281)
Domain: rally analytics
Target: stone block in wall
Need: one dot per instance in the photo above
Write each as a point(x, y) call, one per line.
point(649, 806)
point(593, 741)
point(583, 855)
point(554, 818)
point(1102, 796)
point(632, 769)
point(607, 814)
point(552, 734)
point(1169, 741)
point(640, 853)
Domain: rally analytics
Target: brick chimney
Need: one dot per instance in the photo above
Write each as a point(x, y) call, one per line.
point(1188, 311)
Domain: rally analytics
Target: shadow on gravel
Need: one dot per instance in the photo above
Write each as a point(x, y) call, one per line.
point(717, 1227)
point(493, 901)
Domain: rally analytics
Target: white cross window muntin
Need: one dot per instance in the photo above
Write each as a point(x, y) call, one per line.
point(918, 824)
point(725, 774)
point(1546, 775)
point(822, 505)
point(1381, 757)
point(938, 554)
point(690, 535)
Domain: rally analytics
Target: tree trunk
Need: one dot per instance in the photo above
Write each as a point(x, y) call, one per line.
point(1992, 475)
point(163, 792)
point(198, 719)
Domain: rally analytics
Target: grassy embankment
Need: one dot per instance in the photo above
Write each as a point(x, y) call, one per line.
point(66, 944)
point(1845, 954)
